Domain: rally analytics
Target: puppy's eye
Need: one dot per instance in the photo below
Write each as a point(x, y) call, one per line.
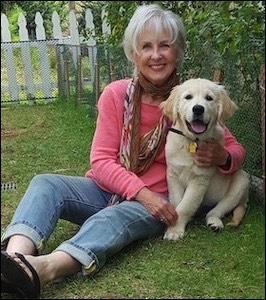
point(209, 98)
point(188, 97)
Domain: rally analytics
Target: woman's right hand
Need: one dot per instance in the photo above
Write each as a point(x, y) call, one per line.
point(158, 206)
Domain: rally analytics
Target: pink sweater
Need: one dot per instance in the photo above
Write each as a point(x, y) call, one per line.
point(106, 169)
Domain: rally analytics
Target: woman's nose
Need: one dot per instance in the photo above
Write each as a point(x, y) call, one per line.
point(156, 53)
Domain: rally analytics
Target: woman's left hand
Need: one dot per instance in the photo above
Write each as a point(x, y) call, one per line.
point(158, 206)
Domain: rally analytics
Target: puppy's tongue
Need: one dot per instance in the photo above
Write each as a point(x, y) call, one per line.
point(197, 126)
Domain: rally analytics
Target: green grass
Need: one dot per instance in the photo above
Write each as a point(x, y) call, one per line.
point(56, 138)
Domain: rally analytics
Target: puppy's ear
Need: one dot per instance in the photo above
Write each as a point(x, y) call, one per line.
point(226, 106)
point(169, 106)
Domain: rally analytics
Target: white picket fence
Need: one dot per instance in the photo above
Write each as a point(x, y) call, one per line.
point(18, 68)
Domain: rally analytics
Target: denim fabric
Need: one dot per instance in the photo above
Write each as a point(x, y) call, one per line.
point(104, 230)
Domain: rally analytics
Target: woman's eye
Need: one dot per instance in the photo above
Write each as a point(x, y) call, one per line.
point(146, 46)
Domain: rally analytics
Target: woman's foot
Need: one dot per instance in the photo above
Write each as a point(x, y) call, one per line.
point(20, 274)
point(29, 274)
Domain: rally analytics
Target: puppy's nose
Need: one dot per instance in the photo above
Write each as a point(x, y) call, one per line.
point(198, 110)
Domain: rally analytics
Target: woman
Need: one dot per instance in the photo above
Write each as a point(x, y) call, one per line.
point(123, 197)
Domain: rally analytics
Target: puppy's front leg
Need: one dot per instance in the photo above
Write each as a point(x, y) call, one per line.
point(189, 204)
point(176, 194)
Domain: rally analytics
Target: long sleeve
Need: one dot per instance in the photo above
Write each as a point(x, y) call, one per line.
point(236, 150)
point(106, 169)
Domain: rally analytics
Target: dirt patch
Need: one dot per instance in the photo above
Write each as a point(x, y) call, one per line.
point(7, 133)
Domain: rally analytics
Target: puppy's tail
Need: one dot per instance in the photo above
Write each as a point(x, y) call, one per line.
point(238, 215)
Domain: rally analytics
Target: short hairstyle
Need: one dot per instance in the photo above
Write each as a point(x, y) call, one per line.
point(161, 20)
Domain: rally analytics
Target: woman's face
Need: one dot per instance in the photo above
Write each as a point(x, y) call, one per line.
point(156, 58)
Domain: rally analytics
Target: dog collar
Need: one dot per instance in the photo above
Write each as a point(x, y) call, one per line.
point(192, 146)
point(175, 130)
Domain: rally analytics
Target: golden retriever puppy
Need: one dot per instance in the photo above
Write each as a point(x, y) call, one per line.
point(198, 109)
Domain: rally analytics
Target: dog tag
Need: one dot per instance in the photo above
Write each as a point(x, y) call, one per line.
point(193, 148)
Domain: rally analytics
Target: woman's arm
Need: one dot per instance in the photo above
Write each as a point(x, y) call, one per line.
point(104, 155)
point(235, 150)
point(228, 158)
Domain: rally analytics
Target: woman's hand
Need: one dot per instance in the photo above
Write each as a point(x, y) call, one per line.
point(158, 206)
point(210, 154)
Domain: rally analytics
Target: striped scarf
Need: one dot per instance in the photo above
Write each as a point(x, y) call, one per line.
point(138, 153)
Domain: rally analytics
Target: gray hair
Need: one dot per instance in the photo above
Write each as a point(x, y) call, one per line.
point(159, 19)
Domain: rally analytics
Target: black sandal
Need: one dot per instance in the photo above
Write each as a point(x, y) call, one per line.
point(18, 277)
point(6, 287)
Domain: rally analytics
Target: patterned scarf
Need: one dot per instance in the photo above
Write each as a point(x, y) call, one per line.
point(138, 153)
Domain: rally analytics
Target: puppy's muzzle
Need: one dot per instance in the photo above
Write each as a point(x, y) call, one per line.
point(198, 111)
point(197, 126)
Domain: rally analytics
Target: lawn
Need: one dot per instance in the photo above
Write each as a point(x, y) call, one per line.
point(56, 138)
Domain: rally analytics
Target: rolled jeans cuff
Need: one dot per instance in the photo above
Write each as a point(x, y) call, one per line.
point(89, 262)
point(25, 230)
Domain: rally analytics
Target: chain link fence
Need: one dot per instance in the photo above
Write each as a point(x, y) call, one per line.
point(84, 77)
point(242, 77)
point(80, 73)
point(28, 72)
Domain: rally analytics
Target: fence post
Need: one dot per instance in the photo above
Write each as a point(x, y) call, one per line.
point(262, 95)
point(97, 81)
point(57, 34)
point(79, 78)
point(44, 59)
point(10, 61)
point(218, 76)
point(66, 74)
point(26, 58)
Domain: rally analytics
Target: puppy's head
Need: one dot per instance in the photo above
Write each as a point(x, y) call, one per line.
point(197, 105)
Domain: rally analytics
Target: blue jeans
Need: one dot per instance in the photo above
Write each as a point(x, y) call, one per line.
point(104, 230)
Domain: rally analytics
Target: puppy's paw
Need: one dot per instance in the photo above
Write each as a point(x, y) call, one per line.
point(215, 224)
point(174, 233)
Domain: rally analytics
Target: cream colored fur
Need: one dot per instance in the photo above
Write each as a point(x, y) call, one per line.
point(191, 186)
